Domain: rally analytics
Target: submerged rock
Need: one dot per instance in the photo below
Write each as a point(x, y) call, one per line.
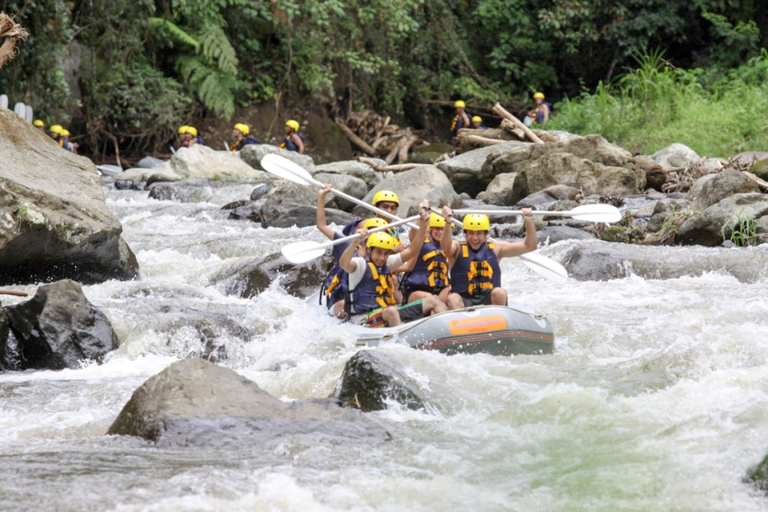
point(54, 222)
point(758, 476)
point(196, 190)
point(197, 403)
point(58, 328)
point(371, 379)
point(245, 210)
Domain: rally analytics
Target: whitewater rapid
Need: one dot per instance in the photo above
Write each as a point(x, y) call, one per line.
point(655, 399)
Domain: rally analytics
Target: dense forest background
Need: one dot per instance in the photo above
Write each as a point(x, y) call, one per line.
point(131, 71)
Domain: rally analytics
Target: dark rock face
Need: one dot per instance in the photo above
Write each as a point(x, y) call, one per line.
point(371, 378)
point(53, 228)
point(197, 403)
point(59, 327)
point(194, 190)
point(260, 191)
point(9, 357)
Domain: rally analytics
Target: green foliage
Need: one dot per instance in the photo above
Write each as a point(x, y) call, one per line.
point(740, 230)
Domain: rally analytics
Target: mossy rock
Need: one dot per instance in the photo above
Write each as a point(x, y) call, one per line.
point(428, 154)
point(760, 169)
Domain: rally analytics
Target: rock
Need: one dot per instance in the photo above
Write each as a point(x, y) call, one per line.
point(9, 357)
point(253, 277)
point(412, 187)
point(463, 170)
point(149, 162)
point(289, 215)
point(655, 177)
point(754, 156)
point(371, 379)
point(329, 144)
point(759, 475)
point(54, 222)
point(245, 210)
point(556, 135)
point(596, 260)
point(253, 153)
point(428, 153)
point(136, 175)
point(260, 191)
point(203, 162)
point(589, 163)
point(552, 234)
point(353, 168)
point(58, 328)
point(349, 185)
point(196, 190)
point(675, 155)
point(161, 177)
point(668, 204)
point(543, 199)
point(505, 189)
point(197, 403)
point(697, 186)
point(128, 185)
point(720, 186)
point(760, 169)
point(712, 226)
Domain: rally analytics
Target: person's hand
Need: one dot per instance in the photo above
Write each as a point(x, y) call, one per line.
point(424, 210)
point(362, 235)
point(447, 213)
point(325, 190)
point(527, 213)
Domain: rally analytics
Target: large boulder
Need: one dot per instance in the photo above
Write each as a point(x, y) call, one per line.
point(290, 204)
point(365, 172)
point(197, 403)
point(720, 186)
point(253, 153)
point(54, 222)
point(346, 184)
point(589, 163)
point(715, 224)
point(412, 187)
point(675, 155)
point(58, 328)
point(464, 170)
point(371, 379)
point(505, 189)
point(596, 260)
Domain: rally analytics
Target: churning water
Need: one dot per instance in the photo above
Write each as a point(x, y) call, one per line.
point(656, 397)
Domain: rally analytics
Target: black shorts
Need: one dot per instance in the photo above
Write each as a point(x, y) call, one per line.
point(408, 290)
point(481, 299)
point(408, 313)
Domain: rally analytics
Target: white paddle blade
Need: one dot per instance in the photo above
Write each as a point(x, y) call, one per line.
point(596, 213)
point(302, 252)
point(546, 267)
point(285, 169)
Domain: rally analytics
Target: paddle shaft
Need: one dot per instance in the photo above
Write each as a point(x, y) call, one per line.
point(374, 230)
point(12, 292)
point(512, 212)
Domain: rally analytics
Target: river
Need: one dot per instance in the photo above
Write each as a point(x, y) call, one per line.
point(655, 399)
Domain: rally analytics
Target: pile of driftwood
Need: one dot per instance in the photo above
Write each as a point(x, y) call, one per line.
point(681, 179)
point(511, 129)
point(377, 137)
point(10, 33)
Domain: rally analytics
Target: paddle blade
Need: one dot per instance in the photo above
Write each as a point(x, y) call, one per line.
point(285, 169)
point(546, 267)
point(596, 213)
point(302, 252)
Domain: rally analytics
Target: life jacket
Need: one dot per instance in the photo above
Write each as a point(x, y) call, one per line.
point(242, 142)
point(457, 123)
point(540, 115)
point(375, 290)
point(475, 271)
point(431, 269)
point(336, 283)
point(289, 144)
point(199, 139)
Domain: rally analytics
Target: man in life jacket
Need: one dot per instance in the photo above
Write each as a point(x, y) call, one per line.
point(293, 140)
point(184, 135)
point(477, 123)
point(371, 284)
point(428, 272)
point(240, 134)
point(55, 132)
point(389, 202)
point(475, 272)
point(461, 119)
point(193, 137)
point(540, 114)
point(39, 124)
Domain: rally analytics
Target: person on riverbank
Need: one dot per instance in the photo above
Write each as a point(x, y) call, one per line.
point(55, 133)
point(474, 264)
point(240, 135)
point(293, 141)
point(540, 114)
point(193, 137)
point(371, 298)
point(428, 273)
point(460, 119)
point(477, 123)
point(66, 144)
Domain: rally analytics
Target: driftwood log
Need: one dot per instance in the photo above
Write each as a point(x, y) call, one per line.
point(376, 136)
point(499, 110)
point(10, 33)
point(376, 165)
point(469, 138)
point(512, 128)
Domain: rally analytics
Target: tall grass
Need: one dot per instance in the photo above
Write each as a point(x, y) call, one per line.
point(716, 114)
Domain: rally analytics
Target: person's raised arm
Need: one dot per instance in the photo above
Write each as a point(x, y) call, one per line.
point(320, 222)
point(345, 262)
point(506, 249)
point(447, 243)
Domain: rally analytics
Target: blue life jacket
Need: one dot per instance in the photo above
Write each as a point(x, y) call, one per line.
point(336, 284)
point(289, 144)
point(475, 271)
point(375, 290)
point(242, 142)
point(431, 270)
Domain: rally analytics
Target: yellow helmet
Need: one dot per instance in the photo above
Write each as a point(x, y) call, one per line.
point(55, 128)
point(374, 222)
point(242, 128)
point(182, 129)
point(436, 221)
point(64, 133)
point(39, 123)
point(294, 125)
point(538, 95)
point(460, 104)
point(477, 119)
point(385, 195)
point(192, 131)
point(477, 222)
point(381, 240)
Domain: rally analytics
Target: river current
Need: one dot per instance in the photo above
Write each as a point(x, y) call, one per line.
point(655, 399)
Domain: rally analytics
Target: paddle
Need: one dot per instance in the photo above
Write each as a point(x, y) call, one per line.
point(588, 212)
point(291, 171)
point(302, 252)
point(12, 292)
point(539, 263)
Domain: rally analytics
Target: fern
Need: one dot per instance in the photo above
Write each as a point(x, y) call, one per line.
point(176, 32)
point(215, 88)
point(216, 48)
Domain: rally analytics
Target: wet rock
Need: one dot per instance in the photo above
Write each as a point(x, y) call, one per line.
point(714, 225)
point(655, 177)
point(505, 189)
point(349, 185)
point(353, 168)
point(675, 155)
point(160, 177)
point(412, 187)
point(758, 476)
point(760, 169)
point(9, 357)
point(552, 234)
point(58, 328)
point(128, 185)
point(371, 379)
point(149, 162)
point(543, 199)
point(253, 277)
point(463, 170)
point(245, 210)
point(720, 186)
point(670, 204)
point(197, 403)
point(260, 191)
point(595, 260)
point(54, 222)
point(197, 190)
point(253, 153)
